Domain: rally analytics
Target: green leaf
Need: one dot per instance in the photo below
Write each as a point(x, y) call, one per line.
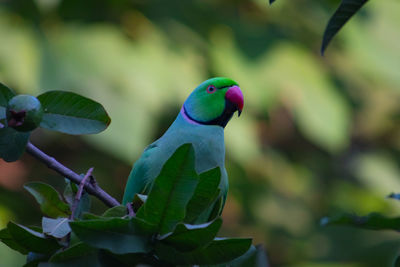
point(49, 200)
point(76, 251)
point(345, 11)
point(77, 255)
point(117, 235)
point(56, 227)
point(69, 194)
point(33, 259)
point(12, 143)
point(7, 239)
point(173, 188)
point(5, 95)
point(32, 240)
point(218, 251)
point(255, 257)
point(35, 228)
point(71, 113)
point(373, 221)
point(188, 237)
point(117, 211)
point(205, 194)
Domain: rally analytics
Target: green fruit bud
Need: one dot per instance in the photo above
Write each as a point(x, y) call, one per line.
point(24, 113)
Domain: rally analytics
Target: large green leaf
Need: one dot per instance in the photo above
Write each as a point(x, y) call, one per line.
point(188, 237)
point(5, 95)
point(32, 240)
point(71, 113)
point(49, 200)
point(12, 143)
point(56, 227)
point(205, 194)
point(218, 251)
point(117, 235)
point(255, 257)
point(373, 221)
point(7, 239)
point(79, 254)
point(345, 11)
point(173, 188)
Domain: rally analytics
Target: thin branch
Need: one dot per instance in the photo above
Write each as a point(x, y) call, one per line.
point(92, 187)
point(52, 163)
point(79, 193)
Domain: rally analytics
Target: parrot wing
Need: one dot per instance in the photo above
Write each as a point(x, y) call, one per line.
point(138, 179)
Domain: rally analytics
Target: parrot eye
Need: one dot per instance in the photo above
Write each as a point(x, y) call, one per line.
point(211, 89)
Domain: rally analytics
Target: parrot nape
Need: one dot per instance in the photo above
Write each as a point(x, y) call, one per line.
point(201, 122)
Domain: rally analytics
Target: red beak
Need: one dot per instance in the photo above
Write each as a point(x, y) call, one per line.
point(235, 95)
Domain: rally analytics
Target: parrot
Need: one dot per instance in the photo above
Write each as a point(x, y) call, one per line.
point(201, 122)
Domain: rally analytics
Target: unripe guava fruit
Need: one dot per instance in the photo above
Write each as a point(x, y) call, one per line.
point(24, 113)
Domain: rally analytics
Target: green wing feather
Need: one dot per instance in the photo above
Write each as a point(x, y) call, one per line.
point(137, 181)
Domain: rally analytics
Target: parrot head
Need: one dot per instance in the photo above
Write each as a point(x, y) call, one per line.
point(214, 101)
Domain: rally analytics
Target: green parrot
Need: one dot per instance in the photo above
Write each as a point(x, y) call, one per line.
point(201, 122)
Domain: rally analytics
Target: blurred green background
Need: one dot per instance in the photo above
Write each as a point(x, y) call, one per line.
point(318, 135)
